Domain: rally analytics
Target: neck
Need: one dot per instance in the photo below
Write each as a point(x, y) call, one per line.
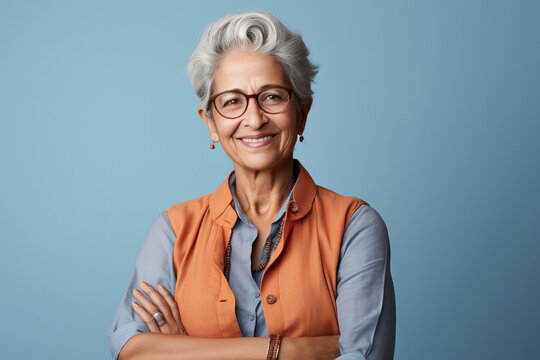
point(261, 193)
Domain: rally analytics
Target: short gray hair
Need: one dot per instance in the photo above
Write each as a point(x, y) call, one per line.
point(259, 32)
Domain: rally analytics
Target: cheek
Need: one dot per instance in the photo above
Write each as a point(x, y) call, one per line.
point(224, 130)
point(290, 121)
point(289, 130)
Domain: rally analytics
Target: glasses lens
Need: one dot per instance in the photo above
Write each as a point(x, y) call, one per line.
point(273, 100)
point(230, 104)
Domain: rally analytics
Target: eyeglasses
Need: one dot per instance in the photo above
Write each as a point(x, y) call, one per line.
point(233, 104)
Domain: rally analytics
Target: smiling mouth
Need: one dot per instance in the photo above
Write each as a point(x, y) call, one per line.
point(257, 140)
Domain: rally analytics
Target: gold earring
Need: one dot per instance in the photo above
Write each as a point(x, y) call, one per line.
point(212, 146)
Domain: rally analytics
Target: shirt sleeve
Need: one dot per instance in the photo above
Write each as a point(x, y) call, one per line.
point(153, 264)
point(365, 293)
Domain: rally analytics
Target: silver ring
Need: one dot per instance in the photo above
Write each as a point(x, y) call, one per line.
point(158, 316)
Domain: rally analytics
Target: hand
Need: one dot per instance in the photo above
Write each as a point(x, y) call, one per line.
point(160, 300)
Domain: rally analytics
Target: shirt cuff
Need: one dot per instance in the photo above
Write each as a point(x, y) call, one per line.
point(351, 356)
point(121, 336)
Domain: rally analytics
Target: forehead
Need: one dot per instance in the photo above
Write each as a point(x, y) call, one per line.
point(248, 72)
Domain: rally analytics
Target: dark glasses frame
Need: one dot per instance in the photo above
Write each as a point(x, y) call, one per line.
point(256, 96)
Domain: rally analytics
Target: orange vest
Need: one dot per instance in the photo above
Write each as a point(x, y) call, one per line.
point(298, 287)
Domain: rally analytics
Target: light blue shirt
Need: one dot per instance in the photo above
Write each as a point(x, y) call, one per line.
point(365, 301)
point(245, 284)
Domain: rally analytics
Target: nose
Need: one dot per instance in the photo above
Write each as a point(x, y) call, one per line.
point(254, 116)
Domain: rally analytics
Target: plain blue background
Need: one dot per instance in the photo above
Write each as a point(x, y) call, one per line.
point(429, 110)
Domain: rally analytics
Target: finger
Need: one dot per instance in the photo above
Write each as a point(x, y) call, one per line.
point(144, 302)
point(146, 317)
point(173, 306)
point(152, 309)
point(149, 307)
point(158, 301)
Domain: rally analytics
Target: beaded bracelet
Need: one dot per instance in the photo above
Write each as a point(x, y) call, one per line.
point(273, 347)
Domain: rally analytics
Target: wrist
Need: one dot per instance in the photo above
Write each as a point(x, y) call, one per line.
point(289, 349)
point(274, 345)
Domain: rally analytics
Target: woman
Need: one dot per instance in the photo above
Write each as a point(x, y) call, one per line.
point(269, 265)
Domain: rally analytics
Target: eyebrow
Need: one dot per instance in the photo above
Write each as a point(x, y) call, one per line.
point(262, 88)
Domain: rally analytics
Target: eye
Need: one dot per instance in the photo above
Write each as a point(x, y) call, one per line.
point(273, 96)
point(230, 100)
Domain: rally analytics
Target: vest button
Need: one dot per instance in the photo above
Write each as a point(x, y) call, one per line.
point(271, 299)
point(294, 207)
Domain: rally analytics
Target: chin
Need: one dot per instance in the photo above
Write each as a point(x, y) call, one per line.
point(262, 162)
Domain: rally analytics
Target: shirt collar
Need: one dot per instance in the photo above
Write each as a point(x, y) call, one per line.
point(300, 200)
point(240, 211)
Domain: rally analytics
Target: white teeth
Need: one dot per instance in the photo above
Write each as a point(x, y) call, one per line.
point(264, 138)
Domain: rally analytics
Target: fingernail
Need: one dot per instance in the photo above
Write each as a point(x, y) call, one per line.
point(133, 303)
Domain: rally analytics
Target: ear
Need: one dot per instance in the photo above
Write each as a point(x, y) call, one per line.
point(209, 122)
point(302, 116)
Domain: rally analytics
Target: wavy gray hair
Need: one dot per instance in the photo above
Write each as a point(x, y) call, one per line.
point(259, 32)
